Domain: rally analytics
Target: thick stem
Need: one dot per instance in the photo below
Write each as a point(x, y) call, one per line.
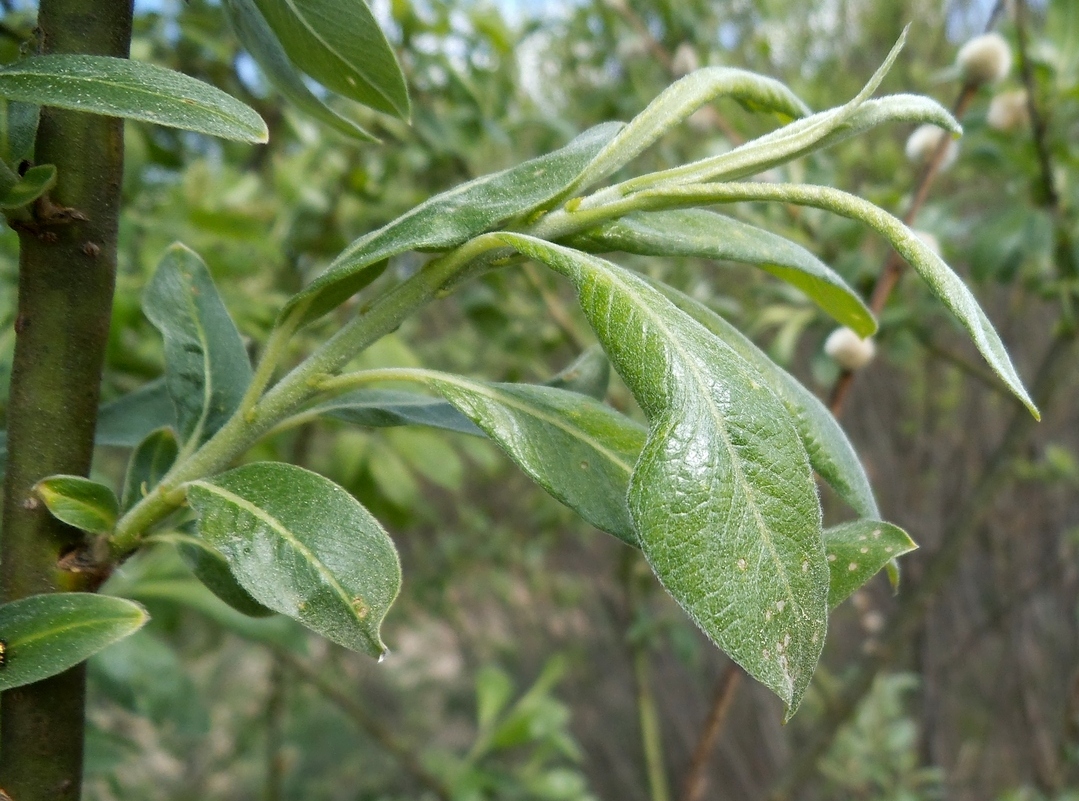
point(66, 276)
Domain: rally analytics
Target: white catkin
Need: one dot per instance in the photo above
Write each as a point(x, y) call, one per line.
point(923, 142)
point(849, 350)
point(1008, 111)
point(984, 59)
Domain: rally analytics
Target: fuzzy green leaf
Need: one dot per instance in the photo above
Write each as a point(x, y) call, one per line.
point(857, 550)
point(119, 87)
point(573, 446)
point(35, 183)
point(381, 408)
point(707, 235)
point(676, 103)
point(149, 462)
point(302, 546)
point(80, 502)
point(722, 496)
point(18, 128)
point(206, 366)
point(340, 45)
point(450, 219)
point(44, 635)
point(258, 39)
point(830, 452)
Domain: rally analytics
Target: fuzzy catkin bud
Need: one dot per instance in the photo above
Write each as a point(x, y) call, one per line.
point(1008, 111)
point(984, 59)
point(923, 143)
point(849, 350)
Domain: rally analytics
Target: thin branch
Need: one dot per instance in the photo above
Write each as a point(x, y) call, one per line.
point(405, 755)
point(697, 776)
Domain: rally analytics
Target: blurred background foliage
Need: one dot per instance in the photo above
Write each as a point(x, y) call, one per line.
point(527, 649)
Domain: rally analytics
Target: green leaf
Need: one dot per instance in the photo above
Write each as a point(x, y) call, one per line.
point(119, 87)
point(18, 129)
point(573, 446)
point(830, 452)
point(380, 408)
point(302, 546)
point(80, 502)
point(35, 183)
point(206, 366)
point(589, 374)
point(450, 219)
point(707, 235)
point(857, 550)
point(339, 44)
point(258, 39)
point(211, 568)
point(149, 463)
point(128, 420)
point(722, 496)
point(44, 635)
point(676, 103)
point(945, 284)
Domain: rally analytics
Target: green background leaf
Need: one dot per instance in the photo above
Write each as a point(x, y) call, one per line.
point(304, 547)
point(46, 634)
point(149, 462)
point(206, 365)
point(119, 87)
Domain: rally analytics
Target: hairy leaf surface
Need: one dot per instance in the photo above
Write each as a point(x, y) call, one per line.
point(119, 87)
point(722, 496)
point(302, 546)
point(707, 235)
point(46, 634)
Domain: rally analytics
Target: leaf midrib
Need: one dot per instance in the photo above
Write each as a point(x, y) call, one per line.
point(69, 627)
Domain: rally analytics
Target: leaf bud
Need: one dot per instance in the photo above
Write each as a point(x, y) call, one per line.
point(984, 59)
point(848, 350)
point(923, 143)
point(1008, 111)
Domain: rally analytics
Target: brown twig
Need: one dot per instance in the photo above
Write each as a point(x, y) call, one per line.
point(696, 777)
point(390, 742)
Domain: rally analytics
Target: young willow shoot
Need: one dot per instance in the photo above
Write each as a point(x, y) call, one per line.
point(717, 491)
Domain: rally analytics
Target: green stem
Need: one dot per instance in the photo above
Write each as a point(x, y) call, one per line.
point(246, 426)
point(66, 278)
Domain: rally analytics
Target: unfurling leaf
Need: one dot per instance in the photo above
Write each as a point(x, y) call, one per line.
point(206, 366)
point(722, 496)
point(302, 546)
point(80, 502)
point(857, 550)
point(119, 87)
point(44, 635)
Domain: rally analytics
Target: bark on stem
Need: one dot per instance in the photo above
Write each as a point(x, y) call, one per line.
point(66, 277)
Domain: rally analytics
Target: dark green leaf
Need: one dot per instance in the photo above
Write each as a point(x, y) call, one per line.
point(210, 567)
point(379, 408)
point(573, 446)
point(450, 219)
point(119, 87)
point(206, 366)
point(80, 502)
point(830, 452)
point(128, 420)
point(707, 235)
point(45, 635)
point(258, 38)
point(722, 497)
point(302, 546)
point(35, 183)
point(18, 128)
point(857, 550)
point(149, 462)
point(339, 44)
